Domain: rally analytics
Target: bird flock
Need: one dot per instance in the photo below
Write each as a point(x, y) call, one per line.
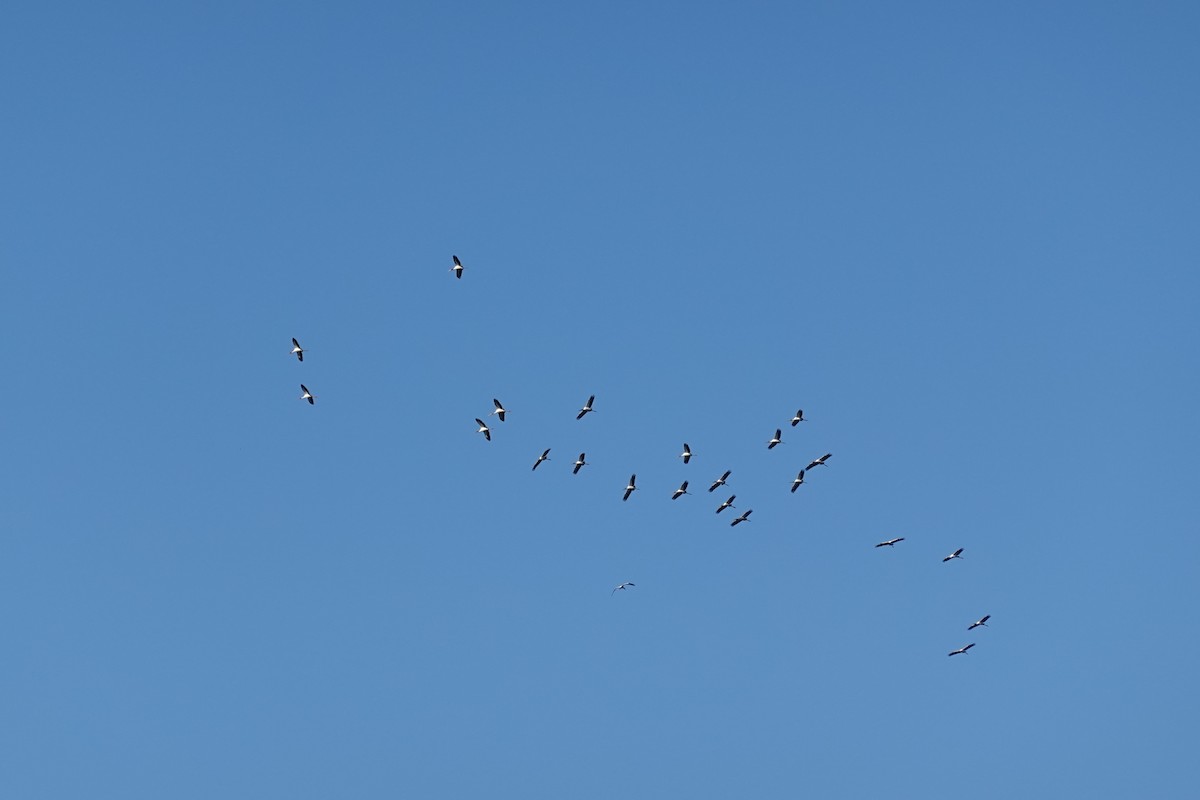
point(500, 412)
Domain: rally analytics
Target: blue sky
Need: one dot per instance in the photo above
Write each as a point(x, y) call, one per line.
point(960, 235)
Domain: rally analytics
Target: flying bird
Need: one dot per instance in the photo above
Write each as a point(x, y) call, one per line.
point(817, 462)
point(587, 409)
point(778, 439)
point(686, 455)
point(579, 464)
point(981, 621)
point(307, 395)
point(745, 517)
point(799, 480)
point(720, 481)
point(961, 651)
point(682, 490)
point(622, 587)
point(484, 429)
point(457, 268)
point(297, 349)
point(498, 410)
point(545, 456)
point(632, 487)
point(798, 418)
point(727, 504)
point(956, 554)
point(891, 542)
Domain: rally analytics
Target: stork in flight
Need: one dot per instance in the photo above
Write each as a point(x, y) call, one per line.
point(309, 396)
point(484, 429)
point(587, 409)
point(579, 464)
point(682, 490)
point(622, 587)
point(819, 462)
point(981, 621)
point(745, 517)
point(457, 268)
point(545, 456)
point(632, 487)
point(297, 349)
point(727, 504)
point(686, 455)
point(798, 418)
point(498, 410)
point(720, 481)
point(778, 439)
point(799, 480)
point(956, 554)
point(891, 542)
point(962, 651)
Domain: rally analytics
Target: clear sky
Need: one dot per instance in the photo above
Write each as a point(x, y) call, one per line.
point(962, 236)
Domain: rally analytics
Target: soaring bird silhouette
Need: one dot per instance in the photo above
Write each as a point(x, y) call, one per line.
point(484, 429)
point(981, 621)
point(961, 651)
point(297, 349)
point(622, 587)
point(579, 463)
point(457, 268)
point(727, 504)
point(956, 554)
point(777, 439)
point(720, 481)
point(545, 456)
point(817, 462)
point(686, 455)
point(587, 409)
point(798, 418)
point(632, 487)
point(498, 410)
point(798, 480)
point(682, 490)
point(309, 396)
point(745, 517)
point(890, 542)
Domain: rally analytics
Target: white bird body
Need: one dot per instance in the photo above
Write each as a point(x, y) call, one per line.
point(587, 409)
point(484, 429)
point(962, 651)
point(307, 395)
point(891, 542)
point(580, 463)
point(686, 455)
point(776, 439)
point(982, 621)
point(745, 517)
point(799, 480)
point(682, 490)
point(632, 487)
point(297, 350)
point(458, 267)
point(622, 587)
point(798, 418)
point(727, 504)
point(545, 456)
point(819, 462)
point(956, 554)
point(498, 410)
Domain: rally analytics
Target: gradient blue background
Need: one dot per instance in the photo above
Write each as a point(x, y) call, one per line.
point(961, 235)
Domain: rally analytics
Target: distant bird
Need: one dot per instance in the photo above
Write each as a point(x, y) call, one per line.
point(890, 542)
point(799, 480)
point(682, 490)
point(579, 464)
point(745, 517)
point(956, 554)
point(498, 411)
point(798, 418)
point(686, 455)
point(587, 409)
point(981, 621)
point(778, 439)
point(817, 462)
point(307, 395)
point(484, 429)
point(727, 504)
point(632, 487)
point(457, 268)
point(297, 349)
point(961, 651)
point(720, 481)
point(622, 587)
point(545, 456)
